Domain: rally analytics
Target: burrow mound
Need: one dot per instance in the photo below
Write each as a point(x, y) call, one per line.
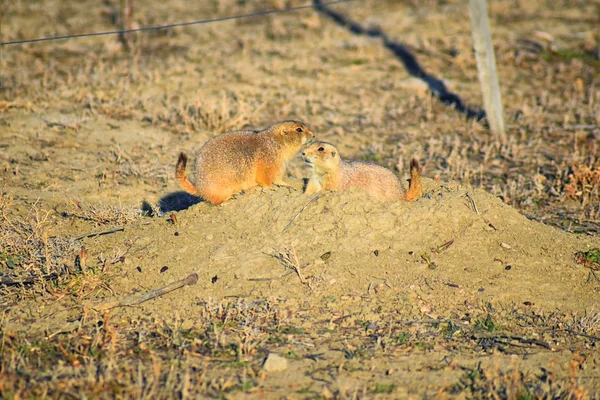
point(456, 245)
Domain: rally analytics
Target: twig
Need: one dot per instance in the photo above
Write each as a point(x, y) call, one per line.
point(106, 232)
point(313, 198)
point(296, 266)
point(269, 279)
point(30, 280)
point(94, 234)
point(472, 203)
point(581, 127)
point(286, 259)
point(276, 277)
point(591, 337)
point(524, 340)
point(137, 299)
point(68, 328)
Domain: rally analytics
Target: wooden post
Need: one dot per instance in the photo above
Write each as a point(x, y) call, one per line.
point(486, 66)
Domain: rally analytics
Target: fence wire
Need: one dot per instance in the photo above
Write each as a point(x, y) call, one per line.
point(170, 26)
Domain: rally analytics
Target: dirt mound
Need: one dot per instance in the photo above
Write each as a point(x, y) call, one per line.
point(454, 246)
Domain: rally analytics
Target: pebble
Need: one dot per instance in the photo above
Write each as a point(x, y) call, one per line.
point(275, 363)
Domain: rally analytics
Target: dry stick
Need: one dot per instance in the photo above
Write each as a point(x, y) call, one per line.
point(127, 9)
point(591, 337)
point(94, 234)
point(315, 197)
point(269, 279)
point(137, 299)
point(521, 339)
point(472, 203)
point(106, 232)
point(276, 277)
point(29, 280)
point(68, 328)
point(296, 266)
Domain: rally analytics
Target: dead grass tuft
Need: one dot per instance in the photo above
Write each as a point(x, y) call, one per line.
point(230, 113)
point(584, 186)
point(493, 382)
point(101, 214)
point(27, 251)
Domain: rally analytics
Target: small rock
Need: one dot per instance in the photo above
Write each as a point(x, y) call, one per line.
point(426, 308)
point(505, 245)
point(327, 393)
point(275, 363)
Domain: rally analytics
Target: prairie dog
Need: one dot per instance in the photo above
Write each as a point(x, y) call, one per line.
point(330, 172)
point(235, 161)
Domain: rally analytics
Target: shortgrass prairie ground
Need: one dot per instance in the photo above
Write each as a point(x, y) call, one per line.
point(487, 287)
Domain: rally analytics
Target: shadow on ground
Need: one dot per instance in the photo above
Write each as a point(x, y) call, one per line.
point(436, 86)
point(175, 201)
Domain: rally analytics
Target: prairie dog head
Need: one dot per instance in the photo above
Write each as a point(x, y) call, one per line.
point(323, 157)
point(293, 133)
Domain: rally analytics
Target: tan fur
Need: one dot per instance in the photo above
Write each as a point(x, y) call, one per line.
point(330, 172)
point(232, 162)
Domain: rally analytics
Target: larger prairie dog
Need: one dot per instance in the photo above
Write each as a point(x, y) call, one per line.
point(330, 172)
point(232, 162)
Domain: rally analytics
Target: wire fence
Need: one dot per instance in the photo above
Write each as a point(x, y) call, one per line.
point(170, 26)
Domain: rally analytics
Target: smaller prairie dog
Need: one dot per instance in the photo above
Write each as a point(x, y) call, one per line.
point(232, 162)
point(330, 172)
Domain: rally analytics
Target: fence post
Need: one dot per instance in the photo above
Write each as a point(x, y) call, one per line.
point(486, 66)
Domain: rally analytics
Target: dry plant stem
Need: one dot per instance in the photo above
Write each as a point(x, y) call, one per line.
point(285, 258)
point(591, 337)
point(276, 277)
point(68, 328)
point(26, 281)
point(296, 266)
point(94, 234)
point(106, 232)
point(473, 205)
point(137, 299)
point(521, 339)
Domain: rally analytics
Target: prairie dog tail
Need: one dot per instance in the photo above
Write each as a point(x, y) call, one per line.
point(181, 178)
point(415, 190)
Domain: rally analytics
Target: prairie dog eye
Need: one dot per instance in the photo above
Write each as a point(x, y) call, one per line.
point(321, 149)
point(299, 130)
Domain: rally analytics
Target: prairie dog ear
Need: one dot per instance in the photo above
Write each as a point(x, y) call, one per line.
point(333, 153)
point(283, 132)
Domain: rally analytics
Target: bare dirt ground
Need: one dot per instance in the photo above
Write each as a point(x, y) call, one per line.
point(487, 287)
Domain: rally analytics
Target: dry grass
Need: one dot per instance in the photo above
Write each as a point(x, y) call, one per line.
point(27, 251)
point(228, 114)
point(220, 351)
point(31, 256)
point(515, 384)
point(584, 187)
point(103, 214)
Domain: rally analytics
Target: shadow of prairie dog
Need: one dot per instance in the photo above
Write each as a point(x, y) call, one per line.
point(232, 162)
point(330, 172)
